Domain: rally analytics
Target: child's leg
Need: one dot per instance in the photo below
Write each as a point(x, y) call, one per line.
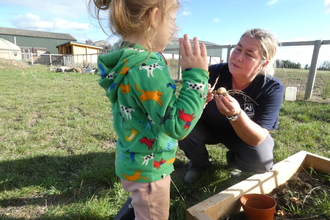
point(151, 201)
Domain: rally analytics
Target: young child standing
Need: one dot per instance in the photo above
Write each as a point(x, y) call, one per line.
point(147, 115)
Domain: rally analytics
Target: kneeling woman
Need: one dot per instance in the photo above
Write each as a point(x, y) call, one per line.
point(241, 120)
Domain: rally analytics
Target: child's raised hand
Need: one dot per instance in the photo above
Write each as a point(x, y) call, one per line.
point(192, 57)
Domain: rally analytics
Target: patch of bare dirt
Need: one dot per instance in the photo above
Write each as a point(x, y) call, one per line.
point(13, 64)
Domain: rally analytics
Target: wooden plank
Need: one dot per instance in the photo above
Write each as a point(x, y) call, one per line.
point(203, 216)
point(226, 202)
point(319, 163)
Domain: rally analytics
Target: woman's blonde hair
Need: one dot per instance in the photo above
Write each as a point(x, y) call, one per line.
point(268, 44)
point(132, 17)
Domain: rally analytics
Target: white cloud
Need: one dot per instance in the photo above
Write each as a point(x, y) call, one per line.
point(184, 13)
point(216, 20)
point(32, 21)
point(272, 2)
point(62, 8)
point(327, 6)
point(65, 24)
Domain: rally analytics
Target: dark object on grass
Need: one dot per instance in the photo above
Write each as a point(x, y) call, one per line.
point(126, 212)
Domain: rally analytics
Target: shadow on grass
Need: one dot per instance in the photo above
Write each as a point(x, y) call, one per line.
point(212, 181)
point(32, 188)
point(45, 181)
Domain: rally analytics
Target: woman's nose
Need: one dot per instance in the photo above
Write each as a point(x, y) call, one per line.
point(240, 57)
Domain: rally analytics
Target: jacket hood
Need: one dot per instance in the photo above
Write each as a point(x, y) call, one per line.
point(116, 64)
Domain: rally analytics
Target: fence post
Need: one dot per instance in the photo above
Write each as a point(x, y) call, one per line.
point(179, 66)
point(32, 59)
point(312, 70)
point(228, 52)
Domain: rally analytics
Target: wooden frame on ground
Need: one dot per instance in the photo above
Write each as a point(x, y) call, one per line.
point(227, 201)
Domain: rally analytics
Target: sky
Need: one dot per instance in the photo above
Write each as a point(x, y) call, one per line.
point(221, 22)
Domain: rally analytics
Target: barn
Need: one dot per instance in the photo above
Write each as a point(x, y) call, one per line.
point(37, 42)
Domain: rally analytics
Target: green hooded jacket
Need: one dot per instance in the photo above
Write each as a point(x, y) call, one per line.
point(148, 116)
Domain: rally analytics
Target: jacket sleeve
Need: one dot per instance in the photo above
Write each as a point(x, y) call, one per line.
point(172, 111)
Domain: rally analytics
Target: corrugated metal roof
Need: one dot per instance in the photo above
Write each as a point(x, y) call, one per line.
point(31, 33)
point(82, 44)
point(173, 47)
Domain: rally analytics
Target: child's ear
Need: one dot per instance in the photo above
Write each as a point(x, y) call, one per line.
point(154, 17)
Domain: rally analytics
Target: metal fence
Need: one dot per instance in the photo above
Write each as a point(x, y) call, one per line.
point(311, 82)
point(79, 60)
point(309, 79)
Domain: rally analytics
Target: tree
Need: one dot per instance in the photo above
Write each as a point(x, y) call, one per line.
point(325, 66)
point(287, 64)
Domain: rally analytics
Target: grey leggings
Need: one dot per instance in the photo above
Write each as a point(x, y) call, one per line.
point(258, 159)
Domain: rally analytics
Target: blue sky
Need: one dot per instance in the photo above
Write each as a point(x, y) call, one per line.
point(220, 22)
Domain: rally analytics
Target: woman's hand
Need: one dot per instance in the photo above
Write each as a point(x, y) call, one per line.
point(227, 105)
point(210, 94)
point(192, 57)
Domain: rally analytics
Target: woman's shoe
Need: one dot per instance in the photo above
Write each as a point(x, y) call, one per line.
point(191, 176)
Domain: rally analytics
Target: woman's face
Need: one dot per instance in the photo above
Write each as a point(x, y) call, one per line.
point(246, 59)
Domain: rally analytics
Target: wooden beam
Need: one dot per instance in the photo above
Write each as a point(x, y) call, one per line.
point(227, 202)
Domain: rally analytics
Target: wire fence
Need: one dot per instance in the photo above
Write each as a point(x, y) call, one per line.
point(69, 60)
point(305, 66)
point(302, 66)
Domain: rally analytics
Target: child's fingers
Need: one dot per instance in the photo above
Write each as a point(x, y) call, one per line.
point(203, 50)
point(187, 45)
point(192, 56)
point(196, 46)
point(182, 49)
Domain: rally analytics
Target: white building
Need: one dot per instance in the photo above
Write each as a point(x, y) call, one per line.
point(9, 50)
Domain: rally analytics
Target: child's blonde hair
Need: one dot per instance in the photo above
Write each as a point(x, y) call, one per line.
point(132, 17)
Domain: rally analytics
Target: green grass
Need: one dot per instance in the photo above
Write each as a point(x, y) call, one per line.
point(57, 148)
point(298, 78)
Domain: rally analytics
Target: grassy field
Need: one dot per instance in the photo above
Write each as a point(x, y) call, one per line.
point(298, 78)
point(57, 148)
